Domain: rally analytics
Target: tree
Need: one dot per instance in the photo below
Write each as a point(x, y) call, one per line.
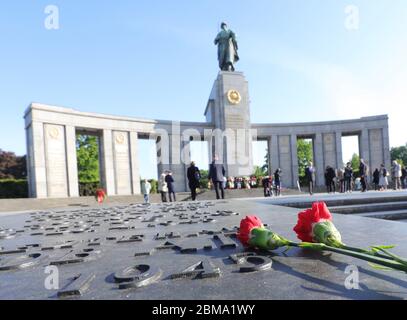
point(304, 154)
point(399, 154)
point(265, 166)
point(12, 166)
point(355, 162)
point(203, 182)
point(259, 172)
point(87, 158)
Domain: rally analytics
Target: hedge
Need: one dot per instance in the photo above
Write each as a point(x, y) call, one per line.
point(11, 188)
point(88, 188)
point(154, 185)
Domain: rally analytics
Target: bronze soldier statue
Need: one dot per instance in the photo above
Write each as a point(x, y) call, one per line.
point(227, 48)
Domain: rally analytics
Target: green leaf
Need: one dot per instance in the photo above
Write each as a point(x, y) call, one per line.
point(379, 267)
point(384, 247)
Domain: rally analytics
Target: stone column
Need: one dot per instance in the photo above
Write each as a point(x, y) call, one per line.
point(365, 149)
point(36, 160)
point(122, 167)
point(273, 154)
point(319, 160)
point(72, 165)
point(56, 161)
point(364, 146)
point(186, 160)
point(386, 147)
point(176, 164)
point(294, 159)
point(284, 145)
point(338, 147)
point(107, 163)
point(134, 160)
point(329, 148)
point(376, 149)
point(228, 110)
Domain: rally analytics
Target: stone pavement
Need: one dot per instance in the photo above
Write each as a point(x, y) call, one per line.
point(18, 205)
point(184, 250)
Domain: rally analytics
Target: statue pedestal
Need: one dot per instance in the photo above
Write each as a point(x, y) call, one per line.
point(228, 109)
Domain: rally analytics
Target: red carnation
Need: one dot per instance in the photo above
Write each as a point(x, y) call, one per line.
point(100, 195)
point(246, 226)
point(308, 218)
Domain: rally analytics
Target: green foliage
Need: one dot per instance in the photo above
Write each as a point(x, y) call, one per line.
point(355, 162)
point(305, 155)
point(399, 154)
point(87, 158)
point(88, 188)
point(265, 166)
point(259, 172)
point(154, 185)
point(12, 166)
point(203, 183)
point(12, 188)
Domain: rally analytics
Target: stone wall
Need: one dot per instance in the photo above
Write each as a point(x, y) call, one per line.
point(51, 145)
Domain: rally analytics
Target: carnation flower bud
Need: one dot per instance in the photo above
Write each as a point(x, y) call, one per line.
point(326, 232)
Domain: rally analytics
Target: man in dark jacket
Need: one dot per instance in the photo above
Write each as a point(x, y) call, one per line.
point(277, 182)
point(310, 175)
point(330, 175)
point(403, 177)
point(216, 175)
point(348, 175)
point(266, 186)
point(363, 174)
point(194, 176)
point(170, 184)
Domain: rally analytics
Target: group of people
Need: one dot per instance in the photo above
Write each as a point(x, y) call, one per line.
point(166, 182)
point(241, 182)
point(398, 174)
point(343, 179)
point(272, 184)
point(165, 187)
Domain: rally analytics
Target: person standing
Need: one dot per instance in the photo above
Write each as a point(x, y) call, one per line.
point(216, 176)
point(383, 180)
point(396, 173)
point(171, 187)
point(145, 190)
point(194, 178)
point(363, 174)
point(341, 178)
point(376, 179)
point(162, 188)
point(403, 177)
point(348, 176)
point(277, 182)
point(310, 176)
point(329, 179)
point(266, 186)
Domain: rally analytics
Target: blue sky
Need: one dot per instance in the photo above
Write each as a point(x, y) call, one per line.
point(156, 59)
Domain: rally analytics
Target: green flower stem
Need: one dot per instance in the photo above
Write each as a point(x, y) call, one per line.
point(365, 251)
point(392, 255)
point(367, 257)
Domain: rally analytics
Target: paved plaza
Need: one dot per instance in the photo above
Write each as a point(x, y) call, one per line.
point(185, 250)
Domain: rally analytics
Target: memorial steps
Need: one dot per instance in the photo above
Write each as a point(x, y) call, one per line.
point(380, 205)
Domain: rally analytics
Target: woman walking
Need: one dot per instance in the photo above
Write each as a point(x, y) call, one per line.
point(162, 187)
point(383, 182)
point(171, 188)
